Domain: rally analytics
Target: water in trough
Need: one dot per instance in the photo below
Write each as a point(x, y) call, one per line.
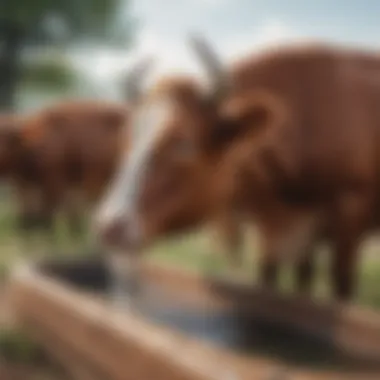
point(224, 327)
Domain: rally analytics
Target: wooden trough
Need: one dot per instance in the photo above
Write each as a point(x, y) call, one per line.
point(64, 307)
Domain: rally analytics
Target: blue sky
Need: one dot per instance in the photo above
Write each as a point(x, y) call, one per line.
point(236, 27)
point(343, 19)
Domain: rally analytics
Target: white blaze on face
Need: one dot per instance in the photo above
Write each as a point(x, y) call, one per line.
point(148, 126)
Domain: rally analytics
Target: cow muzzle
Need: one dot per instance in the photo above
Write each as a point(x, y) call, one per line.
point(121, 241)
point(118, 233)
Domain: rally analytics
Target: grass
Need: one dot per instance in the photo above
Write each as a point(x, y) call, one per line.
point(16, 347)
point(22, 358)
point(196, 251)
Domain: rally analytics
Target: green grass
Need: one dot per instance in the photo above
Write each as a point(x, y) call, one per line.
point(196, 251)
point(17, 347)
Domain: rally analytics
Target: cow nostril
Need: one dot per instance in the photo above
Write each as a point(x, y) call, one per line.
point(112, 233)
point(119, 233)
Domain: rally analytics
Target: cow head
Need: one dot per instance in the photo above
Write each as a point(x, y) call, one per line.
point(169, 180)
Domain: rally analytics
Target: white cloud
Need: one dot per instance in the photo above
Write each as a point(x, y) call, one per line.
point(173, 55)
point(212, 3)
point(271, 32)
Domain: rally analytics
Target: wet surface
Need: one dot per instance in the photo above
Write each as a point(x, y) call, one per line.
point(224, 327)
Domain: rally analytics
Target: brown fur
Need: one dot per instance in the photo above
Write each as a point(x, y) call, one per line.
point(25, 161)
point(64, 150)
point(65, 156)
point(9, 132)
point(293, 147)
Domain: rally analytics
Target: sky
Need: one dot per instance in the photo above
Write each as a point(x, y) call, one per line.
point(235, 28)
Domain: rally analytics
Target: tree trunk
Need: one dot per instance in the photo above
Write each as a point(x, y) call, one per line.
point(10, 41)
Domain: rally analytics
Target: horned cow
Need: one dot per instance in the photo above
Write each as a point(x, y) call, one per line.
point(61, 158)
point(288, 137)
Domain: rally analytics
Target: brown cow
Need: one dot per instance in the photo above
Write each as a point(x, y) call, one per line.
point(61, 158)
point(11, 154)
point(9, 129)
point(291, 142)
point(64, 150)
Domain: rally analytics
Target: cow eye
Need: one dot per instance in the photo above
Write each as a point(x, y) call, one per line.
point(184, 148)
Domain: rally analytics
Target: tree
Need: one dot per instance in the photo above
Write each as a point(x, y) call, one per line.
point(32, 23)
point(49, 73)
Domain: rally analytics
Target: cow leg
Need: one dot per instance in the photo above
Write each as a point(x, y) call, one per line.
point(233, 246)
point(27, 220)
point(287, 238)
point(351, 217)
point(343, 268)
point(44, 219)
point(305, 270)
point(76, 225)
point(47, 224)
point(269, 265)
point(234, 240)
point(304, 276)
point(230, 236)
point(269, 273)
point(74, 215)
point(26, 223)
point(74, 219)
point(51, 196)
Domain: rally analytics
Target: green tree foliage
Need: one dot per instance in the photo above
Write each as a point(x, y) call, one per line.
point(29, 23)
point(51, 73)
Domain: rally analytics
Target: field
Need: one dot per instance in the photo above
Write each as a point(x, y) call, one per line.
point(196, 251)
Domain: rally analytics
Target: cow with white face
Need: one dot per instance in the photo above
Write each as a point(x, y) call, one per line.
point(195, 156)
point(150, 187)
point(192, 159)
point(153, 192)
point(287, 137)
point(163, 184)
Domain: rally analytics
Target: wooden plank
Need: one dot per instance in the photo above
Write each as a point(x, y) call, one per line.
point(121, 346)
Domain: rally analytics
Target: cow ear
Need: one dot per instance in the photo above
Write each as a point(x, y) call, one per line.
point(115, 120)
point(254, 113)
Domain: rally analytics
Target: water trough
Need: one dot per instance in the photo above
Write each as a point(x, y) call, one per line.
point(190, 327)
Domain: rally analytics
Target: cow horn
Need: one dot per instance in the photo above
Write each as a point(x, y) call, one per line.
point(134, 77)
point(213, 65)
